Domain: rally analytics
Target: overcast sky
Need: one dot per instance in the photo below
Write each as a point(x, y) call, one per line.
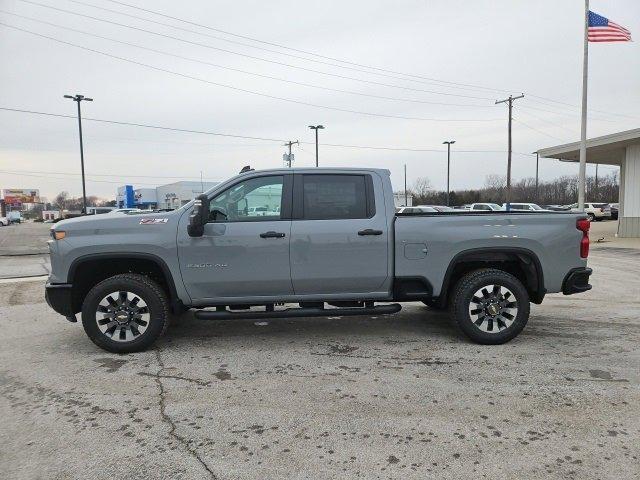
point(504, 46)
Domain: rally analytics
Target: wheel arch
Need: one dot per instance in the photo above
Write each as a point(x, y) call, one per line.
point(88, 270)
point(520, 262)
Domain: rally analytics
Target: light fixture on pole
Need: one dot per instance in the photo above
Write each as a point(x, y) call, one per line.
point(448, 143)
point(316, 128)
point(79, 98)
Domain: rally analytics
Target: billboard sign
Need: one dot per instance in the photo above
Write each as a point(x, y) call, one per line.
point(17, 196)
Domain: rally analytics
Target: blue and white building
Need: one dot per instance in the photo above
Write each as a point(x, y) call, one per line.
point(172, 195)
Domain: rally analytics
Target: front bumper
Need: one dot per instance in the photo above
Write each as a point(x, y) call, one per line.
point(577, 281)
point(59, 297)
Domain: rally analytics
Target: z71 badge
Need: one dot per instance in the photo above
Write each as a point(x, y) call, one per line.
point(153, 221)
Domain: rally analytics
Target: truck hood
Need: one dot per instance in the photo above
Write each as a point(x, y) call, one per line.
point(116, 221)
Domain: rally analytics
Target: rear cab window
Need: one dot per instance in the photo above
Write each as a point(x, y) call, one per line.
point(333, 197)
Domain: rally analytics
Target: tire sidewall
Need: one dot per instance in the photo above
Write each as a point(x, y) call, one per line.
point(465, 292)
point(152, 297)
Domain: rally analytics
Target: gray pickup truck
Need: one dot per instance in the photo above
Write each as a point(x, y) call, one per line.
point(327, 241)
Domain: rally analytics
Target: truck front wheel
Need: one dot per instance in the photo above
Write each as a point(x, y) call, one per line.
point(490, 306)
point(125, 313)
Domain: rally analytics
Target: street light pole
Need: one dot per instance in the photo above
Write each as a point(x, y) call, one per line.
point(316, 128)
point(448, 143)
point(537, 164)
point(79, 98)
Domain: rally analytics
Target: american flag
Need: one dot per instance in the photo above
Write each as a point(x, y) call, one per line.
point(602, 29)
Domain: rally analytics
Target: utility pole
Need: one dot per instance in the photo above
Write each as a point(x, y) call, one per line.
point(510, 102)
point(406, 196)
point(79, 98)
point(201, 183)
point(537, 192)
point(448, 143)
point(596, 186)
point(316, 128)
point(289, 158)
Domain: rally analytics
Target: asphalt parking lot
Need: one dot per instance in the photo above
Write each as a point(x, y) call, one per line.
point(404, 396)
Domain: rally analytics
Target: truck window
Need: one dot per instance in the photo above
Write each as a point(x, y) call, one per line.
point(334, 197)
point(254, 200)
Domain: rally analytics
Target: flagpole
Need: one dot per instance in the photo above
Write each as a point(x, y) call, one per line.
point(583, 127)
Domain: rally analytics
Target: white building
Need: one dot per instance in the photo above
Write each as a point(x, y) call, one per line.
point(400, 200)
point(621, 149)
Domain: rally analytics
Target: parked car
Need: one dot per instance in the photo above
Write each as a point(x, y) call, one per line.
point(557, 208)
point(417, 209)
point(595, 211)
point(14, 216)
point(4, 221)
point(127, 273)
point(444, 208)
point(486, 207)
point(525, 207)
point(614, 210)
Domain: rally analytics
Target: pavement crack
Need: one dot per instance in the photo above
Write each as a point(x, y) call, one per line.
point(202, 383)
point(162, 403)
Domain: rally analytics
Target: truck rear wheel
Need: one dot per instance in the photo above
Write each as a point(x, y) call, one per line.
point(490, 306)
point(125, 313)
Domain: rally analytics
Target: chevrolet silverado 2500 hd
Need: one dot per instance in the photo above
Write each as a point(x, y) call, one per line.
point(316, 238)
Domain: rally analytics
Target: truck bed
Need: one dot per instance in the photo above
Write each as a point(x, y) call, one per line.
point(429, 243)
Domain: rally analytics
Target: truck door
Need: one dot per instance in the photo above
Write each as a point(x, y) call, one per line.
point(244, 251)
point(339, 235)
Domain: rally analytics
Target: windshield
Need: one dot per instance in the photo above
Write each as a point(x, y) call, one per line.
point(536, 207)
point(494, 206)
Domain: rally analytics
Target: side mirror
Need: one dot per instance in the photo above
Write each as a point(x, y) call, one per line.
point(198, 216)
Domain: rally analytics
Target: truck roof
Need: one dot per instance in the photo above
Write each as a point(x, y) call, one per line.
point(382, 171)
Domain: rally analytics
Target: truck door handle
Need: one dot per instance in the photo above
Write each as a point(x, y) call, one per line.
point(369, 231)
point(272, 234)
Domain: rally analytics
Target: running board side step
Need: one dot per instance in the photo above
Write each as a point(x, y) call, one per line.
point(299, 312)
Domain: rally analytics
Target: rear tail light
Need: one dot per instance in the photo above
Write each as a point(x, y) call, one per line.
point(583, 225)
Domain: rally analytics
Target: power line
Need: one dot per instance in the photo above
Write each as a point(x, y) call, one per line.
point(536, 130)
point(549, 122)
point(298, 50)
point(244, 90)
point(340, 60)
point(375, 71)
point(395, 99)
point(49, 176)
point(289, 48)
point(116, 122)
point(591, 109)
point(250, 56)
point(202, 132)
point(112, 175)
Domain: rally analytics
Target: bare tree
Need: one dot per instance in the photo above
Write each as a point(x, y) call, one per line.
point(421, 190)
point(61, 200)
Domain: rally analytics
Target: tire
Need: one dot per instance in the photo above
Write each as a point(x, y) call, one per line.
point(591, 217)
point(500, 313)
point(141, 315)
